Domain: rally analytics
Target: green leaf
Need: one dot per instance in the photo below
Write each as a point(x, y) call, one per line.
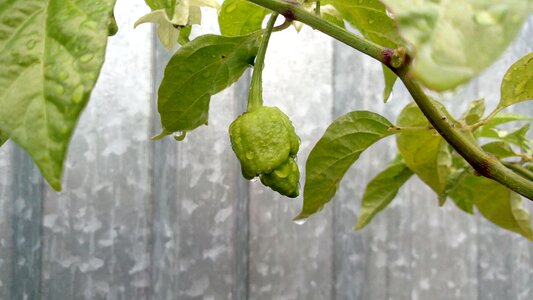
point(371, 19)
point(52, 55)
point(496, 203)
point(425, 152)
point(462, 198)
point(340, 146)
point(499, 119)
point(240, 17)
point(184, 35)
point(332, 17)
point(500, 149)
point(503, 118)
point(517, 137)
point(381, 190)
point(3, 138)
point(390, 80)
point(198, 70)
point(475, 112)
point(455, 40)
point(517, 84)
point(168, 5)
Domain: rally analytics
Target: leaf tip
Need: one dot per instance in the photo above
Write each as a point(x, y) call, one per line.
point(161, 135)
point(301, 218)
point(360, 225)
point(55, 184)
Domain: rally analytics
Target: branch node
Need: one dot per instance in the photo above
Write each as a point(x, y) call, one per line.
point(395, 58)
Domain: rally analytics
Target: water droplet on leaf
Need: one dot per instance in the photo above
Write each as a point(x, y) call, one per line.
point(63, 75)
point(60, 90)
point(231, 8)
point(283, 171)
point(180, 136)
point(86, 57)
point(31, 44)
point(250, 155)
point(492, 16)
point(300, 221)
point(77, 96)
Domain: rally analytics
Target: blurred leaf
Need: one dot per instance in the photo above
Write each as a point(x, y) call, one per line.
point(517, 84)
point(517, 137)
point(455, 40)
point(499, 119)
point(52, 55)
point(475, 111)
point(498, 204)
point(240, 17)
point(463, 198)
point(371, 19)
point(381, 190)
point(390, 80)
point(340, 146)
point(198, 70)
point(425, 152)
point(500, 149)
point(332, 16)
point(503, 118)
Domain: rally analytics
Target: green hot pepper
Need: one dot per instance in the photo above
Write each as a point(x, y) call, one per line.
point(266, 143)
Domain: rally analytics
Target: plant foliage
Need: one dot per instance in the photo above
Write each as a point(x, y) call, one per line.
point(53, 52)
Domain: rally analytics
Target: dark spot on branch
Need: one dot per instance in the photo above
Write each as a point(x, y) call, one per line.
point(387, 56)
point(289, 15)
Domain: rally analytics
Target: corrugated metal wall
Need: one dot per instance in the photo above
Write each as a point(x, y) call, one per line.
point(168, 220)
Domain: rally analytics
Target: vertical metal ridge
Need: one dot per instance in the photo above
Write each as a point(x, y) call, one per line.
point(27, 216)
point(242, 215)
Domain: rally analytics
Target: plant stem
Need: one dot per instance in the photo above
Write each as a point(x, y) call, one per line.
point(520, 170)
point(482, 162)
point(485, 120)
point(255, 97)
point(292, 12)
point(397, 129)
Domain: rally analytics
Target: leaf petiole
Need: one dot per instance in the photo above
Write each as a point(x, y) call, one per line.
point(485, 120)
point(520, 170)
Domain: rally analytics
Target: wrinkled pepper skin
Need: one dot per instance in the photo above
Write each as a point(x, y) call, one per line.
point(284, 179)
point(264, 140)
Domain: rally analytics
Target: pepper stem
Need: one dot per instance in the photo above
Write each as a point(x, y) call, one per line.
point(255, 97)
